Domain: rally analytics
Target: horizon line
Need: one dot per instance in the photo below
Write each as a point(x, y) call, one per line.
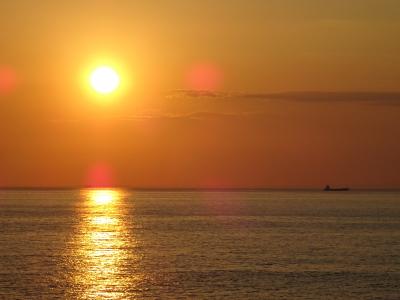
point(190, 188)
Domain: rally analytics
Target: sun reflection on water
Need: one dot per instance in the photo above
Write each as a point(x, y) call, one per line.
point(103, 246)
point(104, 220)
point(104, 197)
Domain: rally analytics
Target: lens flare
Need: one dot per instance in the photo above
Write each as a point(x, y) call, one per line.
point(100, 175)
point(204, 77)
point(8, 80)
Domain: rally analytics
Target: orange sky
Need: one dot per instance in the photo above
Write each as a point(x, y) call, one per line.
point(279, 93)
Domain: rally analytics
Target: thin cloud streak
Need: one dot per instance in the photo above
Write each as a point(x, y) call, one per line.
point(388, 98)
point(201, 115)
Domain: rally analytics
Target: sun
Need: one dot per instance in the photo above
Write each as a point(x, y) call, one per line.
point(104, 80)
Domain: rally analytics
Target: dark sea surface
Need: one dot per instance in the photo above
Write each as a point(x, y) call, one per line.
point(116, 244)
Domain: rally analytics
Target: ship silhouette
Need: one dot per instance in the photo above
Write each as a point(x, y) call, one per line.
point(329, 189)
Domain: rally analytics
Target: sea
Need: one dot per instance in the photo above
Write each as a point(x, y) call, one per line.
point(248, 244)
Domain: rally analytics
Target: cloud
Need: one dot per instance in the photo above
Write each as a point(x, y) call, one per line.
point(382, 97)
point(176, 94)
point(388, 98)
point(194, 116)
point(194, 105)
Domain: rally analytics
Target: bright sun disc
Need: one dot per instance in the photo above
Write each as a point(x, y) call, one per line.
point(104, 80)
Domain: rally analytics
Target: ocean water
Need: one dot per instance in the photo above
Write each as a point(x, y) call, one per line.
point(119, 244)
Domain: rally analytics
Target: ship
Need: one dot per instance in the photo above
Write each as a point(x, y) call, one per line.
point(329, 189)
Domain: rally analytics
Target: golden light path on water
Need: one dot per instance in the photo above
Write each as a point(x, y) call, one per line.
point(103, 247)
